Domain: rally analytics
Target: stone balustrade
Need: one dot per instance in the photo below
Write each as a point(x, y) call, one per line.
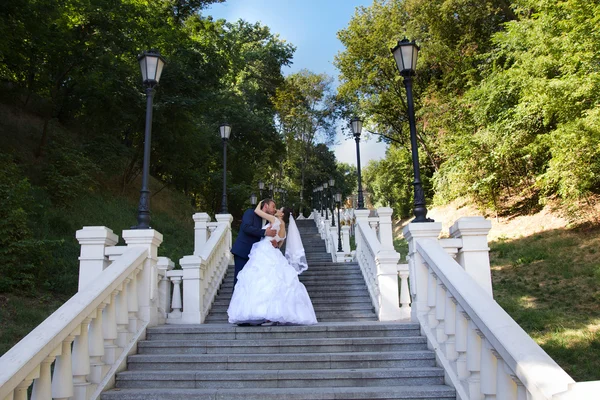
point(76, 352)
point(202, 272)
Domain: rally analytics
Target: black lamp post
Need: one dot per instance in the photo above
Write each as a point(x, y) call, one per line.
point(338, 200)
point(331, 184)
point(320, 189)
point(356, 130)
point(253, 200)
point(151, 64)
point(325, 198)
point(405, 54)
point(271, 190)
point(261, 186)
point(225, 131)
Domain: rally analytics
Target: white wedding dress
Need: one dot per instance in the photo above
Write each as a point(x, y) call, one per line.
point(268, 289)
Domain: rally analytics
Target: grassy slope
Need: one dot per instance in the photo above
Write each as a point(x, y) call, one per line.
point(546, 275)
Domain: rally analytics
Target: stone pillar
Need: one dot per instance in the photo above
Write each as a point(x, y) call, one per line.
point(474, 255)
point(92, 260)
point(419, 275)
point(201, 221)
point(149, 239)
point(192, 290)
point(93, 241)
point(386, 260)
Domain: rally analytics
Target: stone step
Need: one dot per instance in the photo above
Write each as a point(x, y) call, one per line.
point(288, 378)
point(212, 362)
point(315, 294)
point(321, 330)
point(336, 345)
point(437, 392)
point(340, 306)
point(220, 320)
point(317, 283)
point(222, 301)
point(343, 315)
point(310, 275)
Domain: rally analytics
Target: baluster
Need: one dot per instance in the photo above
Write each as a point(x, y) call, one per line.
point(440, 314)
point(521, 389)
point(81, 362)
point(404, 290)
point(462, 326)
point(506, 387)
point(132, 302)
point(109, 331)
point(488, 370)
point(122, 316)
point(450, 329)
point(176, 301)
point(96, 346)
point(474, 362)
point(431, 301)
point(42, 386)
point(20, 392)
point(62, 379)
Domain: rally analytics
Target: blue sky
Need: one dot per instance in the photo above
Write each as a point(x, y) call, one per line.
point(311, 26)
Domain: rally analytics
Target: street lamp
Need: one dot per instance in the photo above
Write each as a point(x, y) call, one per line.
point(320, 189)
point(325, 197)
point(405, 54)
point(253, 200)
point(261, 186)
point(225, 131)
point(356, 130)
point(331, 184)
point(338, 200)
point(151, 64)
point(271, 190)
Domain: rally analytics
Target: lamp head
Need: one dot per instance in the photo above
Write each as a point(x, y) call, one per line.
point(356, 127)
point(225, 130)
point(151, 64)
point(405, 53)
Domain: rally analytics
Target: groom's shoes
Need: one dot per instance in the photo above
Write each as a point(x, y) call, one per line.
point(257, 323)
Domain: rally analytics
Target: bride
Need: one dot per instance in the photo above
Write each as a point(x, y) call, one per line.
point(268, 288)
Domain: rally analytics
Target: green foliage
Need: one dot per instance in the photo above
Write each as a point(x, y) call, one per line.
point(23, 256)
point(506, 95)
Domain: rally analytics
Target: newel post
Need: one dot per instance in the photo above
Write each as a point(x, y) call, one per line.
point(474, 255)
point(192, 290)
point(201, 221)
point(419, 274)
point(92, 260)
point(386, 260)
point(149, 239)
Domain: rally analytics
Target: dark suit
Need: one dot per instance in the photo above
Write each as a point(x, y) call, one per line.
point(250, 232)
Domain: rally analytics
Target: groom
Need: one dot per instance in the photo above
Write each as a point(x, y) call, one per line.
point(250, 232)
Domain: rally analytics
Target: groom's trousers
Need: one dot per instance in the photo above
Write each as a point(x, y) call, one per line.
point(239, 264)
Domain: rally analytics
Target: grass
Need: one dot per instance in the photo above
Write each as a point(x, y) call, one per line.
point(20, 314)
point(550, 284)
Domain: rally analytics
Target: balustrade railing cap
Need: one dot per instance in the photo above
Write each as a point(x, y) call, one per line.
point(99, 233)
point(201, 217)
point(471, 226)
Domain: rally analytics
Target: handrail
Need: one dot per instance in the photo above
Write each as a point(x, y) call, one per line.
point(539, 373)
point(22, 360)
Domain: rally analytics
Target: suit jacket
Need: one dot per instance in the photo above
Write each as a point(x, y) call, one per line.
point(250, 232)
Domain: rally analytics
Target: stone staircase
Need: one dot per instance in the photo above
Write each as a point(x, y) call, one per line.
point(348, 355)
